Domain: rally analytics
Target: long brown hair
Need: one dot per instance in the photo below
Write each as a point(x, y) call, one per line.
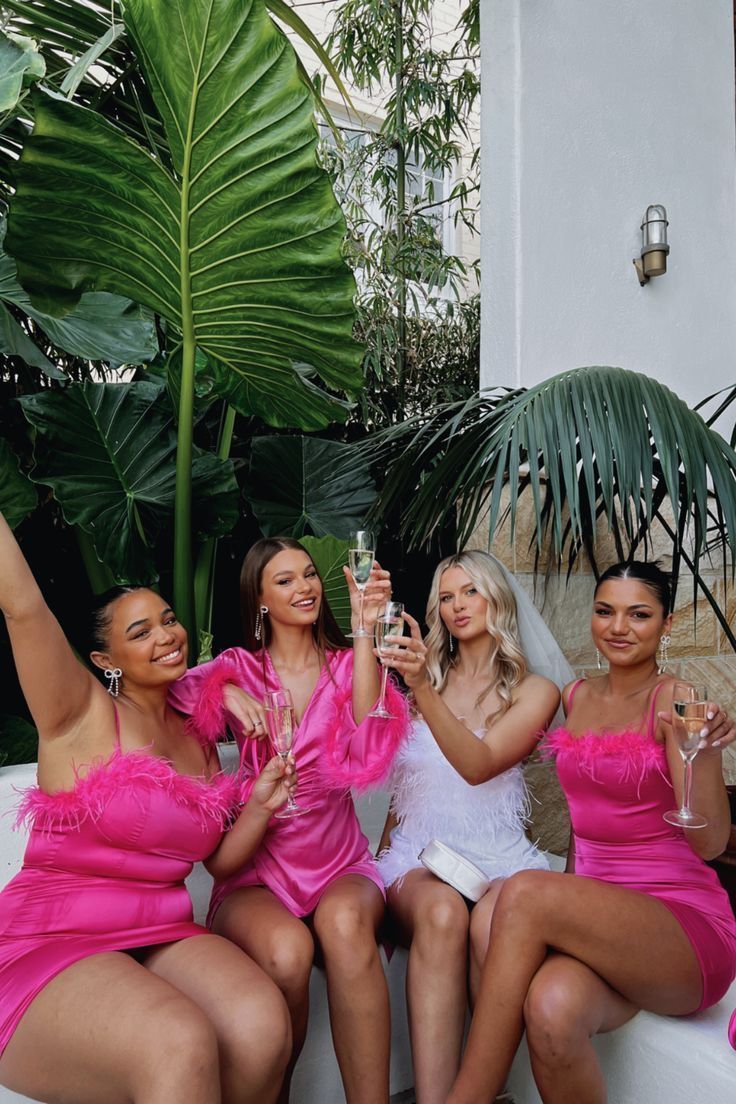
point(328, 636)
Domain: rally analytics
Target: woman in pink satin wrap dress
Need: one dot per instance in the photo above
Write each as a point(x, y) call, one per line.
point(642, 923)
point(314, 867)
point(108, 989)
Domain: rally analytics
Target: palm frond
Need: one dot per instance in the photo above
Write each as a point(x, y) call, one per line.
point(588, 442)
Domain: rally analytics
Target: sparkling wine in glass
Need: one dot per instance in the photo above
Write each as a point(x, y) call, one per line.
point(389, 628)
point(361, 555)
point(689, 714)
point(281, 729)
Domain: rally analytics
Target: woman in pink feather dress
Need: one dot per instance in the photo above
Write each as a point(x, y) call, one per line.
point(313, 878)
point(643, 922)
point(108, 990)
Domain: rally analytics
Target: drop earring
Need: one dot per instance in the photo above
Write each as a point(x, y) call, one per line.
point(598, 660)
point(258, 632)
point(452, 644)
point(664, 657)
point(113, 676)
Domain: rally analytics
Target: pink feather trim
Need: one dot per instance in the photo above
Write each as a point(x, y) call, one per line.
point(383, 740)
point(635, 752)
point(732, 1029)
point(208, 720)
point(212, 799)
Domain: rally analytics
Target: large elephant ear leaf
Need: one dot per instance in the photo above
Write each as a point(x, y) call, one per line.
point(17, 494)
point(239, 248)
point(300, 485)
point(108, 453)
point(20, 64)
point(329, 555)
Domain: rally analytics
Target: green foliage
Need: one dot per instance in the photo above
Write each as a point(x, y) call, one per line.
point(17, 493)
point(189, 183)
point(20, 65)
point(101, 327)
point(107, 451)
point(301, 485)
point(408, 283)
point(587, 442)
point(18, 741)
point(329, 555)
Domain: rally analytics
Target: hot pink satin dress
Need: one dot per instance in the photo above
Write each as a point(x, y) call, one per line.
point(300, 856)
point(618, 786)
point(104, 869)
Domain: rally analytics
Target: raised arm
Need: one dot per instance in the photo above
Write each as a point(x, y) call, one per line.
point(509, 740)
point(56, 686)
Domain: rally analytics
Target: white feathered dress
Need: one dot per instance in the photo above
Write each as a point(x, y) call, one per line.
point(431, 800)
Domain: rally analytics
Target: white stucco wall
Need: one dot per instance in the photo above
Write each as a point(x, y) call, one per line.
point(593, 109)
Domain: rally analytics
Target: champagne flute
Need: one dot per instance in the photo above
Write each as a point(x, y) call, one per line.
point(389, 627)
point(689, 714)
point(360, 559)
point(281, 729)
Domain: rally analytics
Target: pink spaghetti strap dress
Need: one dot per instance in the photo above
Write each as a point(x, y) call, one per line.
point(104, 869)
point(618, 786)
point(300, 856)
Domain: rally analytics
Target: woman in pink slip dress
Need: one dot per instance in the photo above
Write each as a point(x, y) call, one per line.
point(103, 974)
point(313, 877)
point(642, 922)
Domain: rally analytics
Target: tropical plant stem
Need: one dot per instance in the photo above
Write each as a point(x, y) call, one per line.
point(400, 205)
point(204, 573)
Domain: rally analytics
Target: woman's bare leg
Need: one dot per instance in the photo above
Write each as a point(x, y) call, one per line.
point(432, 920)
point(107, 1031)
point(345, 923)
point(629, 939)
point(568, 1003)
point(282, 945)
point(245, 1008)
point(480, 930)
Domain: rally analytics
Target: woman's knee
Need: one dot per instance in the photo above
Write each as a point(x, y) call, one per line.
point(182, 1048)
point(257, 1037)
point(443, 921)
point(289, 959)
point(522, 895)
point(554, 1015)
point(345, 928)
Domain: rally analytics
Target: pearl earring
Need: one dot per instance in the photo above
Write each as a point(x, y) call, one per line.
point(113, 676)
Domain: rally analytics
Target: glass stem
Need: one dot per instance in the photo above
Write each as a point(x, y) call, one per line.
point(384, 676)
point(687, 784)
point(361, 630)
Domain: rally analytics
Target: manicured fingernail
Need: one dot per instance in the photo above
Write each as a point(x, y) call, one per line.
point(716, 743)
point(702, 744)
point(710, 714)
point(703, 733)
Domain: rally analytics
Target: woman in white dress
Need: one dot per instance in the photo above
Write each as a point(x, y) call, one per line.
point(479, 712)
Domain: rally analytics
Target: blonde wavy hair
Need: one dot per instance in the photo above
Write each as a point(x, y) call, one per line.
point(508, 664)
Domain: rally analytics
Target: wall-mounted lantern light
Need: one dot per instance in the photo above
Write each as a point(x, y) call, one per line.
point(654, 247)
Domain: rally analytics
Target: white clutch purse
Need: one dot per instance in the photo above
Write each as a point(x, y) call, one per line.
point(455, 869)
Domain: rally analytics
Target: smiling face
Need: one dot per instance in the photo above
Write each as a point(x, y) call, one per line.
point(144, 639)
point(628, 621)
point(291, 588)
point(463, 609)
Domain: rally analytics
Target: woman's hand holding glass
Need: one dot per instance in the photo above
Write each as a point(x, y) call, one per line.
point(408, 656)
point(273, 787)
point(366, 605)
